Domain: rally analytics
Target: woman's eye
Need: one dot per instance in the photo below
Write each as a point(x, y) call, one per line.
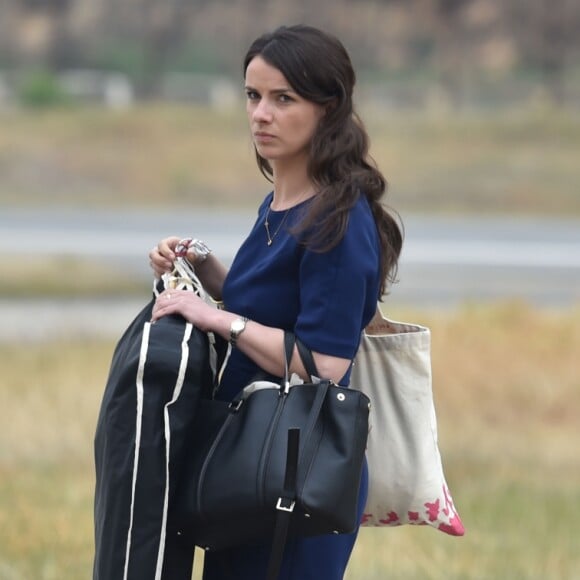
point(252, 95)
point(285, 99)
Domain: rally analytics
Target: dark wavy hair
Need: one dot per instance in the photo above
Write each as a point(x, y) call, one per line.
point(319, 69)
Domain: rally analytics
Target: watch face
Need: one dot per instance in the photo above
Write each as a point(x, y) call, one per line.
point(238, 325)
point(200, 248)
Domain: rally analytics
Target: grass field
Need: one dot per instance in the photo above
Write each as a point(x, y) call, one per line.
point(523, 161)
point(507, 391)
point(507, 380)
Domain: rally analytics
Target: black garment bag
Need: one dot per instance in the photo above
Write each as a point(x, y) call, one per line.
point(158, 374)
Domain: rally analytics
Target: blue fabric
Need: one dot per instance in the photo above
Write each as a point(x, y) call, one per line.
point(326, 299)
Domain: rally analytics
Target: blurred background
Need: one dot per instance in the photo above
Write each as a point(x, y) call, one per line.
point(123, 121)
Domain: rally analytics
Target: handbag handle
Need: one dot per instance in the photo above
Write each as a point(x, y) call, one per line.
point(307, 359)
point(289, 341)
point(304, 352)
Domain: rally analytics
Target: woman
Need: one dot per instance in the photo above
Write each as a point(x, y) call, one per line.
point(316, 261)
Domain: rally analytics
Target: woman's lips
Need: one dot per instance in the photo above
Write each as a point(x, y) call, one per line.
point(263, 137)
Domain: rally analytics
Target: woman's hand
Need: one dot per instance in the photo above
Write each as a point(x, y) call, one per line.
point(162, 256)
point(186, 303)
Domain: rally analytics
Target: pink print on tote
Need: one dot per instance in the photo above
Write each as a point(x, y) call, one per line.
point(445, 519)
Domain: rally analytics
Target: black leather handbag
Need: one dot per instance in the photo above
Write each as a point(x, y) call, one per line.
point(278, 455)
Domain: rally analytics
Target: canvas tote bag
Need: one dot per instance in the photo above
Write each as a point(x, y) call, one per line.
point(406, 480)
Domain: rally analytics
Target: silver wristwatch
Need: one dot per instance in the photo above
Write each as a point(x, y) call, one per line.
point(200, 249)
point(237, 327)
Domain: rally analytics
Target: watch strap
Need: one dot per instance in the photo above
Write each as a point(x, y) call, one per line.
point(200, 249)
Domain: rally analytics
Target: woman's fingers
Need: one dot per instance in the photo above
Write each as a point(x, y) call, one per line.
point(167, 303)
point(162, 255)
point(186, 303)
point(166, 248)
point(172, 302)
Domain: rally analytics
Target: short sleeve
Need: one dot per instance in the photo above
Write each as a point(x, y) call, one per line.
point(339, 288)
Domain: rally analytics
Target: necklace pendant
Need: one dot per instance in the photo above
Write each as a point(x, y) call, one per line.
point(267, 225)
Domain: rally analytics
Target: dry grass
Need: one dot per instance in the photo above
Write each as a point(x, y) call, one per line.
point(149, 155)
point(510, 368)
point(523, 161)
point(64, 277)
point(488, 162)
point(507, 391)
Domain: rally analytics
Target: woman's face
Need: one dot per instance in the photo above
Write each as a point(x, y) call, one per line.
point(281, 121)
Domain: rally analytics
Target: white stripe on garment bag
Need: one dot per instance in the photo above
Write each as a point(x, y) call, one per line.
point(176, 393)
point(139, 419)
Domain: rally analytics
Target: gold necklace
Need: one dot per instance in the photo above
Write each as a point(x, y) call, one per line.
point(267, 225)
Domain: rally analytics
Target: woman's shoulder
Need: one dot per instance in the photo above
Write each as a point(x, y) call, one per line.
point(361, 216)
point(362, 208)
point(359, 239)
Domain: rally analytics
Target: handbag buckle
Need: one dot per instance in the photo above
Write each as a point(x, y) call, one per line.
point(235, 405)
point(284, 508)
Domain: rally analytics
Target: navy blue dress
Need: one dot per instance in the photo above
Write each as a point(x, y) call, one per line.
point(326, 299)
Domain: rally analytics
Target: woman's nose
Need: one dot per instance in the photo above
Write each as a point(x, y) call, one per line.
point(263, 112)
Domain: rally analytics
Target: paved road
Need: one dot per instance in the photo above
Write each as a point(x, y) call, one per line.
point(445, 260)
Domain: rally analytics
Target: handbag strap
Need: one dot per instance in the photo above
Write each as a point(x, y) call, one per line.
point(307, 359)
point(287, 501)
point(285, 505)
point(290, 340)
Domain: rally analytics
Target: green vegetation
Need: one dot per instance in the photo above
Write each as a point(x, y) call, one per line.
point(508, 399)
point(523, 161)
point(40, 89)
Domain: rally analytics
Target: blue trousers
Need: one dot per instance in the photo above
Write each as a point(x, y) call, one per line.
point(316, 558)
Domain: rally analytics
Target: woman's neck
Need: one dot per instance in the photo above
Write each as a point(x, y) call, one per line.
point(290, 188)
